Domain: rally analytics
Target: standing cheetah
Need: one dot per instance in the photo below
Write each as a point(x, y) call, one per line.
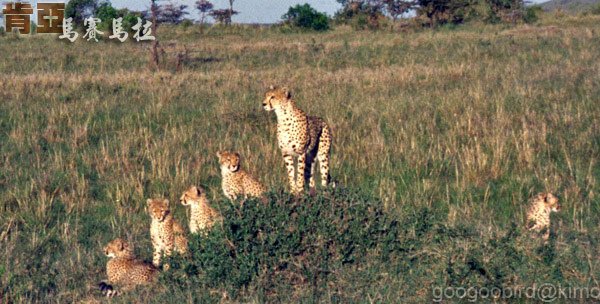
point(165, 232)
point(202, 215)
point(124, 269)
point(538, 215)
point(237, 182)
point(302, 136)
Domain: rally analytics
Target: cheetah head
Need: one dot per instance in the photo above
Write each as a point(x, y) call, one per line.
point(229, 161)
point(118, 248)
point(550, 201)
point(158, 208)
point(275, 97)
point(192, 195)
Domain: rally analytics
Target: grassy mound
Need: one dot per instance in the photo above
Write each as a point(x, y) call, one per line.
point(342, 246)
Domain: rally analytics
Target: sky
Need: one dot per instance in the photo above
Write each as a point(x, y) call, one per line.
point(250, 11)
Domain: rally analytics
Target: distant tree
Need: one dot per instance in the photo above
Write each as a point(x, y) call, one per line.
point(222, 16)
point(532, 13)
point(154, 56)
point(505, 10)
point(361, 13)
point(204, 6)
point(171, 13)
point(80, 9)
point(230, 11)
point(106, 12)
point(305, 16)
point(444, 11)
point(129, 17)
point(396, 8)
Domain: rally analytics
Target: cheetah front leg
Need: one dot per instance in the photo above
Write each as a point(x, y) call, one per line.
point(289, 165)
point(301, 173)
point(156, 257)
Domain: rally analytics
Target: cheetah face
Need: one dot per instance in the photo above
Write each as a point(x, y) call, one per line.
point(158, 208)
point(275, 97)
point(229, 161)
point(550, 201)
point(191, 196)
point(116, 248)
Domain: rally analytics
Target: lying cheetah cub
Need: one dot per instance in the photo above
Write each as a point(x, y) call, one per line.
point(237, 182)
point(306, 137)
point(165, 232)
point(538, 215)
point(124, 268)
point(202, 215)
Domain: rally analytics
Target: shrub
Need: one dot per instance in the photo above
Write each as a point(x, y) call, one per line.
point(304, 16)
point(186, 23)
point(300, 249)
point(80, 9)
point(106, 12)
point(286, 242)
point(596, 9)
point(129, 20)
point(532, 13)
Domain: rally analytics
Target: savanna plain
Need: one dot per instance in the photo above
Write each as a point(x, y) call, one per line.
point(441, 136)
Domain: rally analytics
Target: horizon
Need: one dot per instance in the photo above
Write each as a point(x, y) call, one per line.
point(250, 11)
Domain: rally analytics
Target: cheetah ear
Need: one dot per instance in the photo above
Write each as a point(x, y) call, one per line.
point(219, 155)
point(196, 191)
point(166, 201)
point(287, 93)
point(148, 201)
point(271, 87)
point(124, 245)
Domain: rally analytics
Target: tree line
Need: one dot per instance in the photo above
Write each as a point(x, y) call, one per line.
point(361, 14)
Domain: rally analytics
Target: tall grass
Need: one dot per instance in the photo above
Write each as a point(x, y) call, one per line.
point(468, 123)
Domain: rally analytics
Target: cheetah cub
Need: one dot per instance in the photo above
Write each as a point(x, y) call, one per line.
point(165, 232)
point(235, 181)
point(306, 137)
point(202, 215)
point(124, 269)
point(538, 215)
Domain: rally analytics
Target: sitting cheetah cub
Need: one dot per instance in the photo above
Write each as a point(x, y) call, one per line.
point(124, 268)
point(202, 215)
point(237, 182)
point(538, 215)
point(165, 232)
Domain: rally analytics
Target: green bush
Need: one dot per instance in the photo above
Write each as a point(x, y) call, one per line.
point(532, 13)
point(80, 9)
point(596, 9)
point(304, 16)
point(300, 249)
point(286, 242)
point(186, 23)
point(129, 20)
point(106, 12)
